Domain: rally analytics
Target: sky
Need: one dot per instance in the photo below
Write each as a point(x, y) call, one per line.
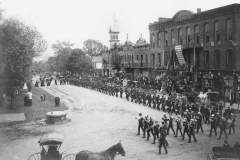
point(79, 20)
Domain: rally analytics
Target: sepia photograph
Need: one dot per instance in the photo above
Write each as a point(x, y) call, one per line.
point(119, 80)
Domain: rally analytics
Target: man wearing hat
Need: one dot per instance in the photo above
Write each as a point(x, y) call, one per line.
point(213, 122)
point(199, 122)
point(179, 125)
point(191, 131)
point(170, 124)
point(232, 125)
point(222, 125)
point(162, 140)
point(155, 131)
point(140, 123)
point(185, 129)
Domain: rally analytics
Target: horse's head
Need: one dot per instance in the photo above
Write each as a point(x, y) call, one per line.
point(120, 149)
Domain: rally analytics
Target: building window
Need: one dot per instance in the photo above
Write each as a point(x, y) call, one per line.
point(217, 57)
point(180, 36)
point(229, 28)
point(206, 58)
point(146, 59)
point(229, 57)
point(141, 59)
point(137, 57)
point(188, 37)
point(206, 33)
point(166, 38)
point(159, 39)
point(172, 37)
point(159, 59)
point(166, 58)
point(216, 31)
point(153, 59)
point(153, 40)
point(196, 34)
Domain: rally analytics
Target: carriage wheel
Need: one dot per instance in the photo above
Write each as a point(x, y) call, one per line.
point(35, 156)
point(69, 156)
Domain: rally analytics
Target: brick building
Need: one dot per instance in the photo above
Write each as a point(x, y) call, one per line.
point(209, 42)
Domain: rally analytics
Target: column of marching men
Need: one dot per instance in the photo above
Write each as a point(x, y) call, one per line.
point(187, 119)
point(181, 117)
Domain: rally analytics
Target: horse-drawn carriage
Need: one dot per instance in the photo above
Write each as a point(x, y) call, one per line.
point(51, 143)
point(224, 153)
point(50, 149)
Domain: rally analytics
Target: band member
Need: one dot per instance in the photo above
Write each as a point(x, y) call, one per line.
point(140, 123)
point(179, 126)
point(185, 129)
point(191, 131)
point(213, 122)
point(162, 140)
point(222, 126)
point(199, 122)
point(150, 128)
point(170, 124)
point(155, 131)
point(232, 123)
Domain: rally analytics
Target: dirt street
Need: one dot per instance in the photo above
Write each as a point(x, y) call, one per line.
point(97, 122)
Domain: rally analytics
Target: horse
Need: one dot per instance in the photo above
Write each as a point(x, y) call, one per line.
point(108, 154)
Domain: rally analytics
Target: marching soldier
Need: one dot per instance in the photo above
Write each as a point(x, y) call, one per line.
point(162, 140)
point(121, 92)
point(145, 126)
point(127, 95)
point(158, 102)
point(199, 122)
point(185, 129)
point(222, 125)
point(140, 123)
point(232, 125)
point(191, 131)
point(155, 131)
point(213, 123)
point(149, 98)
point(170, 124)
point(149, 129)
point(154, 101)
point(179, 126)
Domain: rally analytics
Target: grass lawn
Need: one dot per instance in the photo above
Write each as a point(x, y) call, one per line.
point(38, 109)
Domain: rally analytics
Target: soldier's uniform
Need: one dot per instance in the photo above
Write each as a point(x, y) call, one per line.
point(140, 123)
point(179, 126)
point(232, 125)
point(191, 131)
point(149, 98)
point(121, 92)
point(185, 129)
point(150, 128)
point(155, 131)
point(170, 125)
point(162, 140)
point(199, 122)
point(222, 125)
point(145, 126)
point(213, 122)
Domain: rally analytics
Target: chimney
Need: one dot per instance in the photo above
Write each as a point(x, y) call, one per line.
point(198, 10)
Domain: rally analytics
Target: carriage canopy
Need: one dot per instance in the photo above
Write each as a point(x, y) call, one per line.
point(51, 139)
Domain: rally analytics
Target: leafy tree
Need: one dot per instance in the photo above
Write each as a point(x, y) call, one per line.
point(93, 47)
point(78, 62)
point(19, 44)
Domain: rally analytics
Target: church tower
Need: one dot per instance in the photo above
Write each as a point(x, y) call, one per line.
point(114, 32)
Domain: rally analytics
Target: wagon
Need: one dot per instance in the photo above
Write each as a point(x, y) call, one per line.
point(50, 145)
point(223, 153)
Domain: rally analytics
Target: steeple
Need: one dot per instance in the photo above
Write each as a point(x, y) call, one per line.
point(114, 32)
